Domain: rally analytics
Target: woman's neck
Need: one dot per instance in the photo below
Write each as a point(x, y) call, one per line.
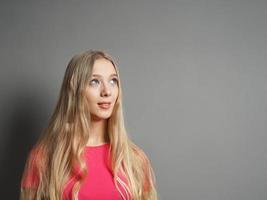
point(98, 133)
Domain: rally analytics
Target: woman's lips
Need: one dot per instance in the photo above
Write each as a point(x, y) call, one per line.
point(104, 105)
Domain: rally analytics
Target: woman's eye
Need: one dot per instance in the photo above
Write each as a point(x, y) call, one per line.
point(94, 80)
point(115, 80)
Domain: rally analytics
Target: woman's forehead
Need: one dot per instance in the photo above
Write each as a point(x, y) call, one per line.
point(103, 67)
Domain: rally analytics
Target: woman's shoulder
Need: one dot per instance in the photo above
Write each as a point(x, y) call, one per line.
point(139, 152)
point(30, 178)
point(36, 155)
point(148, 172)
point(141, 158)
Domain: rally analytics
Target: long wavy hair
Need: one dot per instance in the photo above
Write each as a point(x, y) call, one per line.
point(57, 153)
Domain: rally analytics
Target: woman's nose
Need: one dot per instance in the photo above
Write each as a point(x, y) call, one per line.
point(105, 91)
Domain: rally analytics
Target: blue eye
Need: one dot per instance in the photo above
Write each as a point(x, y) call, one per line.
point(93, 80)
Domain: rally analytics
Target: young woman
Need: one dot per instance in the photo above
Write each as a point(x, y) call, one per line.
point(85, 153)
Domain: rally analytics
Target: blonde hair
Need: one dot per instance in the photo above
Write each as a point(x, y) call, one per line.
point(59, 149)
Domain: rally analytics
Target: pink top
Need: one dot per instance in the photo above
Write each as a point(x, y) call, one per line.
point(98, 184)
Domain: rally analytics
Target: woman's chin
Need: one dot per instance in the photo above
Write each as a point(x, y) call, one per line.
point(100, 116)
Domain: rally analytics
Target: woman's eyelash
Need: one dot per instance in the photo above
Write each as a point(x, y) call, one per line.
point(93, 80)
point(98, 81)
point(115, 79)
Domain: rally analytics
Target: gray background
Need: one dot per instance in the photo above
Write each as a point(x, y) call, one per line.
point(194, 86)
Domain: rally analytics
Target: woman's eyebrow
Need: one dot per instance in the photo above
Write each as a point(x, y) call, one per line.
point(101, 76)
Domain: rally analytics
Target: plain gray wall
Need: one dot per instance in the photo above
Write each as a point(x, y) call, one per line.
point(194, 86)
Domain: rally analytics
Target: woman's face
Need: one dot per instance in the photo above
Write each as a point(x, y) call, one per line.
point(102, 87)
